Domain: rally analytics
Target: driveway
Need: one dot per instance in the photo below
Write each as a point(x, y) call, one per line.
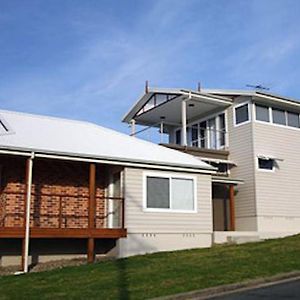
point(287, 290)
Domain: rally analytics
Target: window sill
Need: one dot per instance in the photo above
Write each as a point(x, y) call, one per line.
point(162, 210)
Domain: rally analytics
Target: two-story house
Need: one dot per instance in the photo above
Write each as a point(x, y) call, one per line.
point(251, 137)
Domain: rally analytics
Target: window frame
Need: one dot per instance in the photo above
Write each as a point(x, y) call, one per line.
point(264, 170)
point(248, 103)
point(205, 119)
point(169, 176)
point(286, 112)
point(269, 113)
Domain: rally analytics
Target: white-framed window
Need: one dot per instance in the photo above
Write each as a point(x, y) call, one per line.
point(169, 193)
point(278, 116)
point(241, 113)
point(209, 132)
point(293, 119)
point(266, 164)
point(262, 113)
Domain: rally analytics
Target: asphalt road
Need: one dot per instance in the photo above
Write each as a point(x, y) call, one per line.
point(288, 290)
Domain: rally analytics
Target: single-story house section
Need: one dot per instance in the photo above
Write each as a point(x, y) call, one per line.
point(72, 188)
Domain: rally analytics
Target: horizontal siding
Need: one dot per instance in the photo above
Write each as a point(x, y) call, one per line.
point(160, 222)
point(278, 193)
point(241, 152)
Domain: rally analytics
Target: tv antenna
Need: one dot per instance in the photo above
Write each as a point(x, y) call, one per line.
point(258, 87)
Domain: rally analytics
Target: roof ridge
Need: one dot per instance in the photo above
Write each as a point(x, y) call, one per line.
point(43, 116)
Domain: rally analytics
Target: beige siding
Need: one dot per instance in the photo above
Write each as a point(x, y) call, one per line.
point(278, 193)
point(241, 152)
point(139, 221)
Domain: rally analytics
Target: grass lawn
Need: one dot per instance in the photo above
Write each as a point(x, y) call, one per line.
point(159, 274)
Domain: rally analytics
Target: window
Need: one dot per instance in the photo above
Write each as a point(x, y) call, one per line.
point(278, 116)
point(222, 130)
point(241, 114)
point(266, 164)
point(203, 134)
point(195, 138)
point(170, 193)
point(178, 137)
point(211, 126)
point(293, 119)
point(158, 192)
point(262, 113)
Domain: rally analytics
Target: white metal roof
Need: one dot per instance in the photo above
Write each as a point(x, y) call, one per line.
point(42, 134)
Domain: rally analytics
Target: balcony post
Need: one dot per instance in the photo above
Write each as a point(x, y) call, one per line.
point(232, 207)
point(225, 208)
point(162, 131)
point(183, 121)
point(92, 210)
point(132, 126)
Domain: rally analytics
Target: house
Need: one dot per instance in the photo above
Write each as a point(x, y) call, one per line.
point(75, 189)
point(251, 137)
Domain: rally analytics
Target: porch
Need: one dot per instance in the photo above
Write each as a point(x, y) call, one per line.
point(55, 199)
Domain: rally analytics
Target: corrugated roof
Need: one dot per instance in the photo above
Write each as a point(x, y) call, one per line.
point(83, 139)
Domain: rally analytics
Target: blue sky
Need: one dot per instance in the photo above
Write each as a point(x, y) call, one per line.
point(88, 60)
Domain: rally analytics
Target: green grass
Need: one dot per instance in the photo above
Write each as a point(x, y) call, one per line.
point(159, 274)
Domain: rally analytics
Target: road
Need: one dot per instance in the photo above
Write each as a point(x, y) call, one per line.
point(288, 290)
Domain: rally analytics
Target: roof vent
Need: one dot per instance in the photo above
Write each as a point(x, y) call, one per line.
point(4, 127)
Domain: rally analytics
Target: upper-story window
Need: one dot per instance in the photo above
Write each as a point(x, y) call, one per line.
point(209, 133)
point(277, 116)
point(293, 119)
point(241, 114)
point(265, 164)
point(262, 113)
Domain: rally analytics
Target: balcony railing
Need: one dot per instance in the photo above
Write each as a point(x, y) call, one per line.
point(205, 138)
point(61, 218)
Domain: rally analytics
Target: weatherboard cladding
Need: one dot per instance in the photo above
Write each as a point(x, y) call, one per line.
point(139, 221)
point(53, 181)
point(83, 139)
point(241, 152)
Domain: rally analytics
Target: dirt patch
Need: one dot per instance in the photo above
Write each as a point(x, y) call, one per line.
point(51, 265)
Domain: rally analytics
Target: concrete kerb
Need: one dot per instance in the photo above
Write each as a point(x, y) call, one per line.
point(234, 288)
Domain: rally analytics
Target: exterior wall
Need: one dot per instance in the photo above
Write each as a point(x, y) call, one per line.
point(163, 231)
point(241, 152)
point(278, 192)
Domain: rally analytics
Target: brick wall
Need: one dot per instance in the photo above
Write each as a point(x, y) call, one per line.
point(60, 193)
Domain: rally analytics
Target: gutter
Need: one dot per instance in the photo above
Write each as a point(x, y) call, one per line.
point(70, 157)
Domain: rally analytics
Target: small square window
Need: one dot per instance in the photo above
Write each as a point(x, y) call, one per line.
point(262, 113)
point(241, 114)
point(266, 164)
